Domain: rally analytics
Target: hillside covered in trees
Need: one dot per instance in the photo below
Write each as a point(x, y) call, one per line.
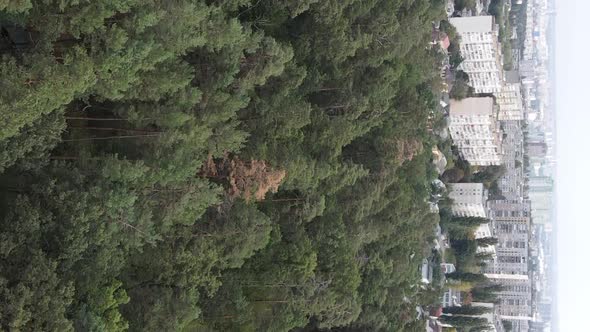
point(211, 165)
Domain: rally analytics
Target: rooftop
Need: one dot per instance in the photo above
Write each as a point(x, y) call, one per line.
point(473, 24)
point(472, 106)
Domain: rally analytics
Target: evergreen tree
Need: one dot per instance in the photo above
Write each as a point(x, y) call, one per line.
point(224, 165)
point(487, 241)
point(467, 310)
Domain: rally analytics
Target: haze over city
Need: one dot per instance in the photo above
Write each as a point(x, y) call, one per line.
point(572, 183)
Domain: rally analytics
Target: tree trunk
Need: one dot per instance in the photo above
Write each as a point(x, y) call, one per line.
point(115, 129)
point(272, 301)
point(98, 119)
point(284, 200)
point(328, 89)
point(108, 137)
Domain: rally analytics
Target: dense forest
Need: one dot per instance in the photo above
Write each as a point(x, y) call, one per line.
point(215, 165)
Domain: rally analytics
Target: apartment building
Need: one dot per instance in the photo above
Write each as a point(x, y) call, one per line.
point(509, 99)
point(511, 184)
point(481, 52)
point(515, 300)
point(469, 199)
point(511, 224)
point(475, 129)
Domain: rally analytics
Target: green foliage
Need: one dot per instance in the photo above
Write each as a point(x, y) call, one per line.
point(453, 175)
point(486, 292)
point(495, 193)
point(487, 241)
point(461, 88)
point(496, 8)
point(518, 19)
point(467, 277)
point(461, 4)
point(467, 257)
point(459, 228)
point(38, 85)
point(451, 31)
point(489, 174)
point(466, 310)
point(455, 58)
point(470, 221)
point(465, 323)
point(116, 214)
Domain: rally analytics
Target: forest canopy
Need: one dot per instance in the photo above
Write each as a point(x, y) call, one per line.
point(215, 165)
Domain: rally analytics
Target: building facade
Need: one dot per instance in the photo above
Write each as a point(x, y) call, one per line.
point(537, 150)
point(511, 183)
point(511, 224)
point(481, 52)
point(509, 99)
point(476, 131)
point(469, 199)
point(515, 300)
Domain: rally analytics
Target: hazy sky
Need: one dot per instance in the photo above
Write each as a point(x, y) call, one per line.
point(573, 153)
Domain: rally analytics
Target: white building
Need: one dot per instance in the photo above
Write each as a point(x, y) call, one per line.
point(481, 52)
point(483, 231)
point(509, 99)
point(476, 131)
point(451, 298)
point(511, 221)
point(515, 300)
point(469, 199)
point(511, 184)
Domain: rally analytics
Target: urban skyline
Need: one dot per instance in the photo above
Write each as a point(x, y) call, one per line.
point(518, 126)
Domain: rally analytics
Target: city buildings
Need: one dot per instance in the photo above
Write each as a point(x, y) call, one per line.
point(481, 52)
point(511, 184)
point(475, 130)
point(516, 130)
